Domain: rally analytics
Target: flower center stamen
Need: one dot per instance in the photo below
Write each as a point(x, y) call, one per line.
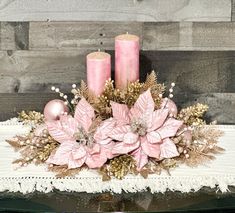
point(83, 137)
point(139, 127)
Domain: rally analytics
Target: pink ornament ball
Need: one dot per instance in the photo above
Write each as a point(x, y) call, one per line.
point(170, 105)
point(54, 109)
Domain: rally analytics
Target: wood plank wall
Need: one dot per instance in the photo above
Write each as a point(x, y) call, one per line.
point(44, 43)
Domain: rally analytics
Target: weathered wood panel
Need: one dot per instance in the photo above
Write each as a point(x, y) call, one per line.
point(196, 72)
point(222, 105)
point(112, 10)
point(193, 72)
point(14, 35)
point(233, 10)
point(189, 36)
point(11, 104)
point(36, 71)
point(72, 35)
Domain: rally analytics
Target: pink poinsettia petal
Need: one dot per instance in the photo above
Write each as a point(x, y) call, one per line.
point(105, 141)
point(107, 150)
point(120, 113)
point(94, 149)
point(78, 151)
point(122, 148)
point(153, 137)
point(104, 129)
point(62, 154)
point(169, 128)
point(168, 149)
point(130, 138)
point(144, 106)
point(140, 157)
point(158, 118)
point(63, 129)
point(72, 163)
point(152, 150)
point(118, 133)
point(84, 113)
point(96, 160)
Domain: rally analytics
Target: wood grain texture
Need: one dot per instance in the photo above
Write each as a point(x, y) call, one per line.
point(73, 35)
point(233, 10)
point(37, 71)
point(14, 35)
point(222, 105)
point(192, 71)
point(189, 36)
point(112, 10)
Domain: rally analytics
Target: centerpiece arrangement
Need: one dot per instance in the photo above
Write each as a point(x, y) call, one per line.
point(116, 128)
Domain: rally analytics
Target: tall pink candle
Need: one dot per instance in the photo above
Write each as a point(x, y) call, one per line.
point(98, 71)
point(126, 60)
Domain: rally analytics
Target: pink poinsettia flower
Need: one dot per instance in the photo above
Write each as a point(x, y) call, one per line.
point(144, 132)
point(78, 145)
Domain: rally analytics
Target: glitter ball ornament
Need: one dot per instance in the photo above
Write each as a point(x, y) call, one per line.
point(170, 105)
point(54, 109)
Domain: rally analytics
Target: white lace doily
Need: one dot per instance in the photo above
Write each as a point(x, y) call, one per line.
point(218, 174)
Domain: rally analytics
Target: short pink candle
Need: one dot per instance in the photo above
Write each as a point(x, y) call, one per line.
point(126, 60)
point(98, 71)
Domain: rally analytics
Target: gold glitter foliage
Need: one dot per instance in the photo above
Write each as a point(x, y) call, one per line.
point(118, 167)
point(193, 115)
point(31, 117)
point(33, 149)
point(129, 95)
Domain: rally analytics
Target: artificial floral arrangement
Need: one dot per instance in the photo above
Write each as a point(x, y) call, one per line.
point(133, 130)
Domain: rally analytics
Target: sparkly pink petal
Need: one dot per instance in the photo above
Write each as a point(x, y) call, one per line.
point(72, 163)
point(153, 137)
point(140, 157)
point(107, 150)
point(105, 128)
point(130, 138)
point(62, 154)
point(63, 129)
point(78, 151)
point(84, 113)
point(169, 128)
point(158, 118)
point(152, 150)
point(105, 141)
point(144, 106)
point(122, 148)
point(118, 133)
point(168, 149)
point(120, 113)
point(96, 160)
point(94, 149)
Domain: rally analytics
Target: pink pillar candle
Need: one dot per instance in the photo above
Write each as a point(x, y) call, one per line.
point(98, 71)
point(126, 60)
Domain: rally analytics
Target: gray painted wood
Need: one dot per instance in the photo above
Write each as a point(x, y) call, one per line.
point(189, 36)
point(37, 71)
point(222, 105)
point(233, 10)
point(73, 35)
point(112, 10)
point(14, 35)
point(194, 72)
